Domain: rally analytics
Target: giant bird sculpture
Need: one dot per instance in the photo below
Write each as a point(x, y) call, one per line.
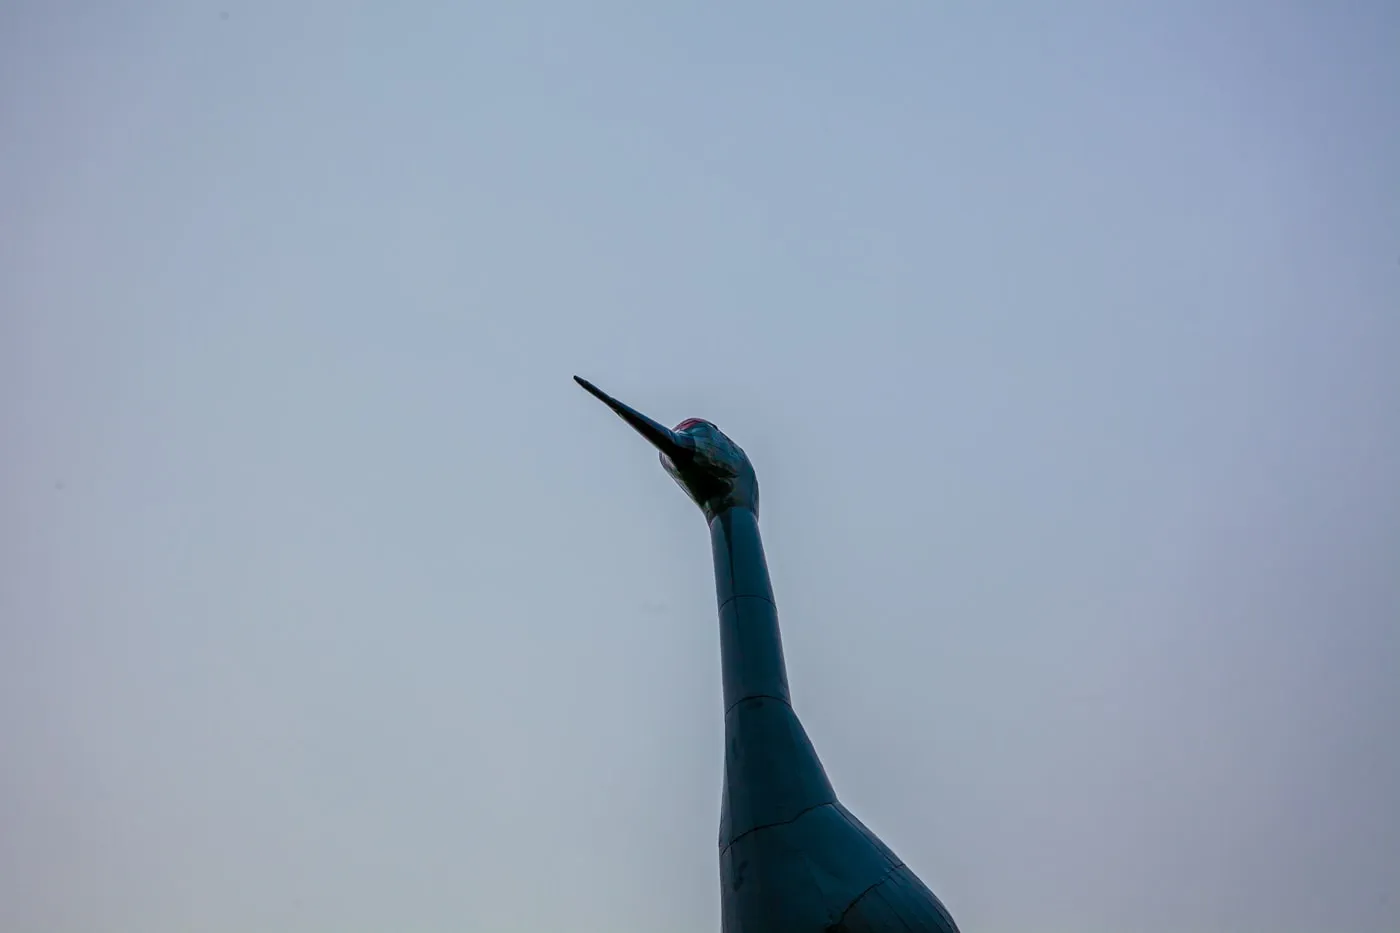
point(792, 858)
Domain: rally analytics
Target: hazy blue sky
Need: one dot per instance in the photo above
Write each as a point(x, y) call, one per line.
point(1065, 339)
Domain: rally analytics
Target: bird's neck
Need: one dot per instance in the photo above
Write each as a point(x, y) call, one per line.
point(772, 774)
point(751, 647)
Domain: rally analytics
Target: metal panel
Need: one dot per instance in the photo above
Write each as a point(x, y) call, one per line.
point(771, 771)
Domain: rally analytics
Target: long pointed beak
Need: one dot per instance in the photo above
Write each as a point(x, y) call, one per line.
point(663, 438)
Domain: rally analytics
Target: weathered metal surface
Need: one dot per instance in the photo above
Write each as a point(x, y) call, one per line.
point(792, 858)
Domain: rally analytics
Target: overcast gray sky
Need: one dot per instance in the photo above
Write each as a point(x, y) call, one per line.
point(1064, 338)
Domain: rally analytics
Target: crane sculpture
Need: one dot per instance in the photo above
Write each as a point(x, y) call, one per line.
point(792, 858)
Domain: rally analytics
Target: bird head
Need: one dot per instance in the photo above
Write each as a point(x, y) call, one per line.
point(712, 469)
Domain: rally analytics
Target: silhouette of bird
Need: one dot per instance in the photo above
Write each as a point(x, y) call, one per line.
point(792, 858)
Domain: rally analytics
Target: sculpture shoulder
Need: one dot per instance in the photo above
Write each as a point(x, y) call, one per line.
point(900, 902)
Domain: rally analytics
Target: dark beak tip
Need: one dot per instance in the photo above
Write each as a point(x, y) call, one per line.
point(597, 393)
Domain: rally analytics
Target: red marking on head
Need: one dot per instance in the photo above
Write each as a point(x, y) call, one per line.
point(689, 422)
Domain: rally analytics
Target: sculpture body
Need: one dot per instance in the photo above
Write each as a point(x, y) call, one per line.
point(792, 858)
